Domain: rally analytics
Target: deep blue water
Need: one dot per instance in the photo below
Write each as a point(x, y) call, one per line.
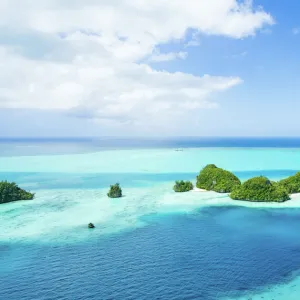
point(206, 255)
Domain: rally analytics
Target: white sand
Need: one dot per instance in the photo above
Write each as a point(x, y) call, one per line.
point(195, 189)
point(295, 196)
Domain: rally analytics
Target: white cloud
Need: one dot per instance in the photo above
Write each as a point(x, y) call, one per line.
point(104, 89)
point(159, 57)
point(83, 56)
point(137, 19)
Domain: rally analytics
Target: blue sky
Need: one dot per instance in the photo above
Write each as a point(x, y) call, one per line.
point(223, 68)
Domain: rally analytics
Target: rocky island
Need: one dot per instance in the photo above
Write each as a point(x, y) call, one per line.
point(9, 192)
point(91, 226)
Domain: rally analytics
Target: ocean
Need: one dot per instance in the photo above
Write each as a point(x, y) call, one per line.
point(152, 243)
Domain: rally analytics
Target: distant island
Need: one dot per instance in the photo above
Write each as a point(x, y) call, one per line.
point(10, 192)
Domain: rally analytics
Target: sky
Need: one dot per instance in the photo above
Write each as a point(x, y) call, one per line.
point(72, 68)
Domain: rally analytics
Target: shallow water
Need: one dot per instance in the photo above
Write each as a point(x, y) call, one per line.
point(152, 243)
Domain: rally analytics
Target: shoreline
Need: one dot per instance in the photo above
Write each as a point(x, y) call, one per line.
point(294, 198)
point(195, 189)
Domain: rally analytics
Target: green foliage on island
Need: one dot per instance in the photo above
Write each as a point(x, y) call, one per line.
point(260, 189)
point(115, 191)
point(9, 192)
point(291, 184)
point(183, 186)
point(212, 178)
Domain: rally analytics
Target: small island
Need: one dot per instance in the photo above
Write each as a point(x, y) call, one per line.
point(91, 225)
point(212, 178)
point(260, 189)
point(9, 192)
point(115, 191)
point(183, 186)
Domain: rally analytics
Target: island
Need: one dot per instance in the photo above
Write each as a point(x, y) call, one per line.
point(291, 184)
point(212, 178)
point(9, 192)
point(115, 191)
point(183, 186)
point(260, 189)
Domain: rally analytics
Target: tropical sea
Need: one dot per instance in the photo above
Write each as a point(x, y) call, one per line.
point(152, 243)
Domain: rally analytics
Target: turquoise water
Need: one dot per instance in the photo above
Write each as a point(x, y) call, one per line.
point(152, 243)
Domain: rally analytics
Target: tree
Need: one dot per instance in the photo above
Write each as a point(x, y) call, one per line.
point(183, 186)
point(9, 191)
point(291, 184)
point(260, 189)
point(212, 178)
point(115, 191)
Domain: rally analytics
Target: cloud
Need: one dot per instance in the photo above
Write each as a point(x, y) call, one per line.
point(141, 20)
point(159, 57)
point(193, 41)
point(89, 58)
point(106, 88)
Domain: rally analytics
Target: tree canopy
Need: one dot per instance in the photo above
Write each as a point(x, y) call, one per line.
point(115, 191)
point(291, 184)
point(183, 186)
point(260, 189)
point(212, 178)
point(9, 191)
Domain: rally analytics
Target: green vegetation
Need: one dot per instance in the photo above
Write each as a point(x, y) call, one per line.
point(183, 186)
point(257, 189)
point(260, 189)
point(115, 191)
point(9, 192)
point(291, 184)
point(212, 178)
